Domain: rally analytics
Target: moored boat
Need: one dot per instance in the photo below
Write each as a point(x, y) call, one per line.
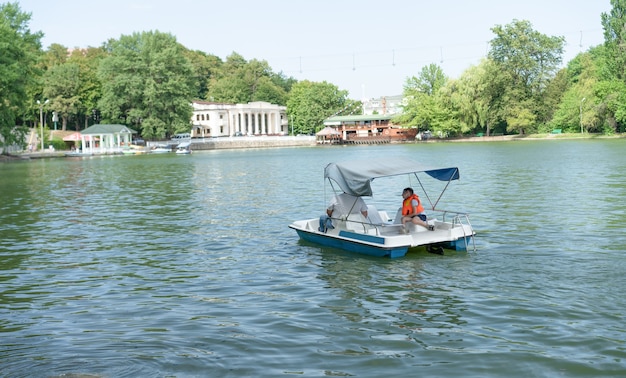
point(78, 153)
point(134, 150)
point(379, 234)
point(183, 148)
point(160, 149)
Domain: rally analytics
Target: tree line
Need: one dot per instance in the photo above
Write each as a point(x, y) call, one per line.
point(148, 80)
point(519, 89)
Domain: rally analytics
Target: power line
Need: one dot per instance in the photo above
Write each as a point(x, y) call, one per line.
point(404, 56)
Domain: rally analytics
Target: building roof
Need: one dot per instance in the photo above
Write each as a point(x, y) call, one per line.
point(328, 131)
point(108, 129)
point(337, 120)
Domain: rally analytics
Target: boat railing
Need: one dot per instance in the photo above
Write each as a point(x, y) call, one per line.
point(365, 226)
point(459, 219)
point(349, 223)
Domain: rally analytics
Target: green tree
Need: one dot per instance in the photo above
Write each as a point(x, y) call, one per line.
point(430, 79)
point(90, 88)
point(240, 81)
point(425, 108)
point(444, 117)
point(147, 84)
point(20, 50)
point(310, 103)
point(520, 117)
point(232, 90)
point(62, 88)
point(204, 67)
point(551, 98)
point(611, 71)
point(284, 82)
point(417, 112)
point(615, 38)
point(267, 91)
point(230, 84)
point(470, 98)
point(55, 54)
point(529, 60)
point(579, 108)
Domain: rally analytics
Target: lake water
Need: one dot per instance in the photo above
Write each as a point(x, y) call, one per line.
point(183, 266)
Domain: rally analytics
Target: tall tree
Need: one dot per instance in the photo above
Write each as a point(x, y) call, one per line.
point(430, 79)
point(267, 91)
point(469, 97)
point(577, 109)
point(90, 90)
point(424, 108)
point(147, 84)
point(55, 54)
point(240, 81)
point(529, 59)
point(205, 67)
point(310, 103)
point(62, 88)
point(18, 59)
point(615, 38)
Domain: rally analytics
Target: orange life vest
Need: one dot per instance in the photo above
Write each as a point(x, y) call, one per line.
point(408, 209)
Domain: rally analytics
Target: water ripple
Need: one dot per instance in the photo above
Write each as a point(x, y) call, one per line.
point(184, 266)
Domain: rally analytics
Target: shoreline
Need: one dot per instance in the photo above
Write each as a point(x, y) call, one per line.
point(254, 143)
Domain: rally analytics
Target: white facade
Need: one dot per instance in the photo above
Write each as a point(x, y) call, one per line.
point(211, 119)
point(383, 105)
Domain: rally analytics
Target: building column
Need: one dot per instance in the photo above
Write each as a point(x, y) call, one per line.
point(275, 122)
point(263, 124)
point(232, 120)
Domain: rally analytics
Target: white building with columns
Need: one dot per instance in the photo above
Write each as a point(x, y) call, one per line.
point(212, 119)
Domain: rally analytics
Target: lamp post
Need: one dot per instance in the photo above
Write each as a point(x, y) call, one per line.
point(581, 114)
point(41, 120)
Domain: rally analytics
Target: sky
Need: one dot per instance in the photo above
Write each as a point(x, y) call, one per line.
point(368, 48)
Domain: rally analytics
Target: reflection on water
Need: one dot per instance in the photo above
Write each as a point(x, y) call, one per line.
point(184, 266)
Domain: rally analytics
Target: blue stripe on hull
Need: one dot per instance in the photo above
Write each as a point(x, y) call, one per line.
point(366, 238)
point(460, 244)
point(354, 246)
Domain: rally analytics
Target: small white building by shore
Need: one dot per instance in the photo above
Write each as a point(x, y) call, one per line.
point(103, 139)
point(213, 119)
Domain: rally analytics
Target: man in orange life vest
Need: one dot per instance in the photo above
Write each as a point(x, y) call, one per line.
point(412, 210)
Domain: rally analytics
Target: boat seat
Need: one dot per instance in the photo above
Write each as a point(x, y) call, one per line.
point(398, 218)
point(357, 223)
point(374, 216)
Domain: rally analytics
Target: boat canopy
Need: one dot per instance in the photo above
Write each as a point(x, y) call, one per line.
point(354, 177)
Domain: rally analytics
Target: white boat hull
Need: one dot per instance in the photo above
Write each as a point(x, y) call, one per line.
point(378, 235)
point(386, 239)
point(160, 151)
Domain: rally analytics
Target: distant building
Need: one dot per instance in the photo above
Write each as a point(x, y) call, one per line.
point(374, 128)
point(383, 105)
point(213, 119)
